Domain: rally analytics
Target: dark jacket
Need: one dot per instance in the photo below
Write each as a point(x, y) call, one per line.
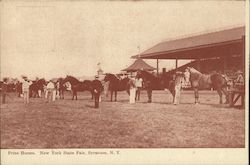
point(97, 85)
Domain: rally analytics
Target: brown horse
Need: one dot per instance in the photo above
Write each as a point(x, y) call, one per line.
point(201, 81)
point(116, 84)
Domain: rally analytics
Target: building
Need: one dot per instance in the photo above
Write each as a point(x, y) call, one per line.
point(225, 49)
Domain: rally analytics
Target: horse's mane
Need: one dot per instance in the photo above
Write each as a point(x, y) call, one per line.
point(41, 81)
point(112, 76)
point(71, 78)
point(148, 75)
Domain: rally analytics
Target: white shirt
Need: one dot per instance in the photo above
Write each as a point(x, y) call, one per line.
point(138, 82)
point(26, 85)
point(50, 85)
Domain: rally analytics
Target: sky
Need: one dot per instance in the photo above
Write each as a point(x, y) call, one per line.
point(58, 38)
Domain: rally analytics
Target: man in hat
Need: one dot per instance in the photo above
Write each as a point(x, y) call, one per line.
point(138, 85)
point(50, 89)
point(97, 89)
point(25, 88)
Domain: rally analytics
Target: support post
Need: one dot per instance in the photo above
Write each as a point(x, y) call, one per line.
point(176, 63)
point(157, 66)
point(198, 64)
point(243, 53)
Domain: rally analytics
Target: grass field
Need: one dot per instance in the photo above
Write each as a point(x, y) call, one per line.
point(76, 124)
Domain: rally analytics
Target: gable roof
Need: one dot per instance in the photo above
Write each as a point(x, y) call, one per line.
point(178, 48)
point(138, 65)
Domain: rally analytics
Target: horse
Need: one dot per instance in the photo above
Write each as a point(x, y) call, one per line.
point(152, 82)
point(88, 86)
point(77, 85)
point(116, 84)
point(201, 81)
point(37, 86)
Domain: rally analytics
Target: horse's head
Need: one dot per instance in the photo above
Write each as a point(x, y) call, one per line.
point(110, 77)
point(146, 75)
point(70, 79)
point(41, 82)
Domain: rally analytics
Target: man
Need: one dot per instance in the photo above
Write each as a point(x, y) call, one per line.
point(97, 89)
point(240, 78)
point(4, 90)
point(25, 88)
point(132, 90)
point(50, 89)
point(138, 85)
point(178, 80)
point(148, 86)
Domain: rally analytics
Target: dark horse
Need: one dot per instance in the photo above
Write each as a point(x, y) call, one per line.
point(36, 86)
point(77, 85)
point(115, 84)
point(202, 81)
point(152, 82)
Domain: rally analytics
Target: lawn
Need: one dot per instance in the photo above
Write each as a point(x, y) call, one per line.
point(76, 124)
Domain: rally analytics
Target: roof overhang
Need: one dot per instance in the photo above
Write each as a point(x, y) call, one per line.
point(198, 52)
point(210, 45)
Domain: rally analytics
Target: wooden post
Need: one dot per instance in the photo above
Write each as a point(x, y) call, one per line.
point(198, 61)
point(176, 63)
point(157, 66)
point(224, 63)
point(243, 52)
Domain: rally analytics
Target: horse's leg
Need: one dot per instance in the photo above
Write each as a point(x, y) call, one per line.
point(219, 91)
point(60, 94)
point(224, 90)
point(92, 94)
point(111, 95)
point(149, 92)
point(139, 94)
point(73, 94)
point(196, 95)
point(76, 95)
point(115, 95)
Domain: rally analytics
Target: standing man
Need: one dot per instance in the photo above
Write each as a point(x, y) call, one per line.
point(138, 85)
point(97, 89)
point(178, 80)
point(239, 82)
point(25, 88)
point(132, 91)
point(50, 89)
point(148, 86)
point(4, 90)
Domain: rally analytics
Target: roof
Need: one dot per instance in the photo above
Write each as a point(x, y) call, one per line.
point(139, 64)
point(199, 46)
